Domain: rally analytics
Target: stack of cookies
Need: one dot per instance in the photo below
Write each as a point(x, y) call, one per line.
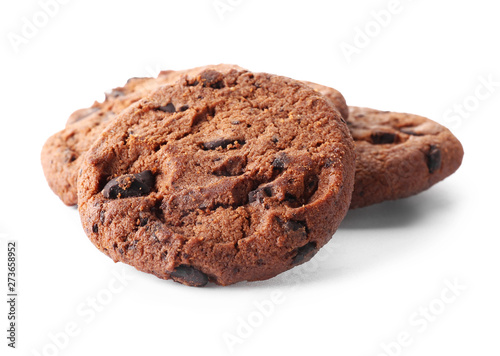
point(220, 174)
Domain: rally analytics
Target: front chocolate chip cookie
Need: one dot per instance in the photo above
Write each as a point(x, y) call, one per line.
point(249, 180)
point(63, 153)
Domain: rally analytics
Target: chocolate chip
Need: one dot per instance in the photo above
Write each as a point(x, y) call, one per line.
point(259, 194)
point(232, 166)
point(254, 196)
point(143, 221)
point(170, 108)
point(293, 225)
point(311, 186)
point(70, 156)
point(268, 190)
point(95, 228)
point(304, 253)
point(280, 162)
point(380, 137)
point(433, 159)
point(129, 185)
point(189, 276)
point(183, 108)
point(221, 142)
point(212, 78)
point(409, 131)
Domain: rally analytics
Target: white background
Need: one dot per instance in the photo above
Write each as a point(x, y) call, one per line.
point(385, 265)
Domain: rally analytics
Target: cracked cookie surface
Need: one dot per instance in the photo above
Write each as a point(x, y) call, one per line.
point(62, 153)
point(399, 155)
point(220, 177)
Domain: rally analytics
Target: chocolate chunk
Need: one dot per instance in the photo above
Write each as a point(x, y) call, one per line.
point(212, 78)
point(380, 137)
point(70, 156)
point(221, 142)
point(290, 198)
point(280, 162)
point(183, 108)
point(259, 194)
point(255, 195)
point(311, 186)
point(304, 253)
point(433, 159)
point(409, 131)
point(95, 228)
point(293, 225)
point(268, 190)
point(129, 185)
point(170, 108)
point(190, 276)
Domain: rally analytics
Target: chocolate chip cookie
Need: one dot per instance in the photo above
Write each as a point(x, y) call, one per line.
point(61, 154)
point(399, 155)
point(221, 177)
point(335, 97)
point(135, 89)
